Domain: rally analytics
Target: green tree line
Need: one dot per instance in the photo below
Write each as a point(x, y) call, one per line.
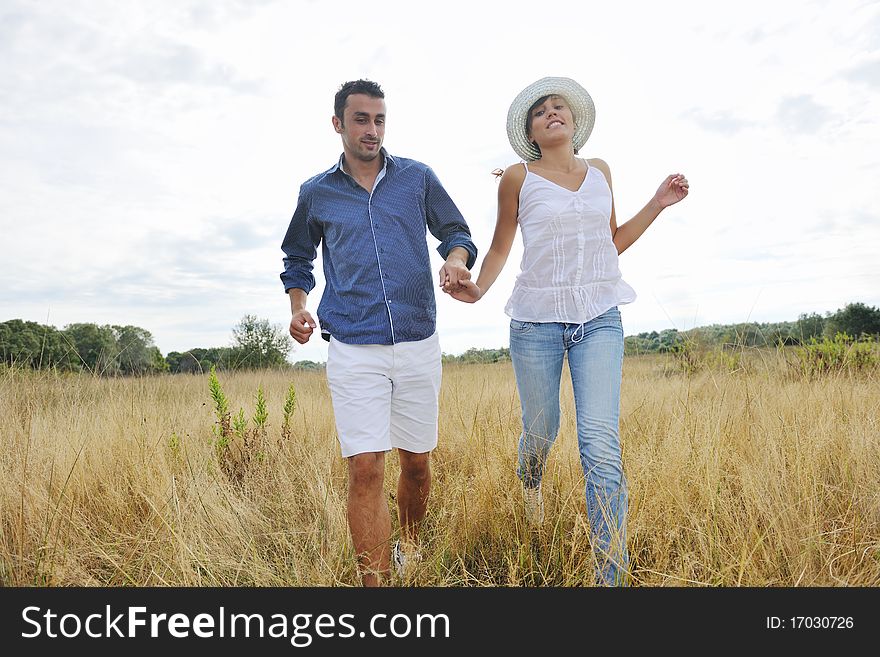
point(854, 319)
point(474, 355)
point(129, 350)
point(107, 350)
point(256, 343)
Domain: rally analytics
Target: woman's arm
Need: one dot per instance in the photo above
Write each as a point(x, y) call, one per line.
point(502, 240)
point(671, 191)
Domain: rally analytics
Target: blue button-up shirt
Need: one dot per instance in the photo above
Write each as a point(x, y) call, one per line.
point(379, 285)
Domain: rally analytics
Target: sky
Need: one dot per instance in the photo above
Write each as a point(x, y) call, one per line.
point(151, 152)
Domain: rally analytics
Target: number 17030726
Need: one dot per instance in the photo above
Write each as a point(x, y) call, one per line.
point(810, 623)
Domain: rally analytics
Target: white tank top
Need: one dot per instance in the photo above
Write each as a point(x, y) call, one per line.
point(569, 270)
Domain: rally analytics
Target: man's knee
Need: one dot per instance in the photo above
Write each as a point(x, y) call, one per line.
point(415, 468)
point(366, 471)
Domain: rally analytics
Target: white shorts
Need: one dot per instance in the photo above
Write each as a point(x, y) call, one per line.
point(385, 396)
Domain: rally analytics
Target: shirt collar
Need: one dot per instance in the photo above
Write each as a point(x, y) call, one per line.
point(386, 160)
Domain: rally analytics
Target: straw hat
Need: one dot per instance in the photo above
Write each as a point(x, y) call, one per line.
point(579, 101)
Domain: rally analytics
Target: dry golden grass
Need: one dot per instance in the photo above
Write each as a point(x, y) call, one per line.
point(745, 478)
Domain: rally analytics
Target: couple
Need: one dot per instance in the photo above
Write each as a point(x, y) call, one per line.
point(369, 213)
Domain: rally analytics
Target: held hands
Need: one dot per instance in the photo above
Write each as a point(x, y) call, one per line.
point(302, 325)
point(453, 272)
point(466, 291)
point(455, 280)
point(671, 190)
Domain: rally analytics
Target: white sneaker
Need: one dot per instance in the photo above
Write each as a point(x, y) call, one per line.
point(405, 561)
point(534, 505)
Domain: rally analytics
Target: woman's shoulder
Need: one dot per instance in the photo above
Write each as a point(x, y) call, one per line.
point(514, 175)
point(599, 163)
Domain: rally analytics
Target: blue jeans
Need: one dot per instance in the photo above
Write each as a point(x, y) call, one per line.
point(595, 360)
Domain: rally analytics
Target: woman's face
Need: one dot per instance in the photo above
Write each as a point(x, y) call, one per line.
point(551, 121)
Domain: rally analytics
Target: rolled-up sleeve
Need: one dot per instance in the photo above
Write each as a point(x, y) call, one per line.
point(300, 246)
point(445, 221)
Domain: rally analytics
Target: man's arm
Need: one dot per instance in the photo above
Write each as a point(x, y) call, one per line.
point(446, 223)
point(300, 248)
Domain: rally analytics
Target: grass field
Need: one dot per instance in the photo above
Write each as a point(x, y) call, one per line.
point(750, 477)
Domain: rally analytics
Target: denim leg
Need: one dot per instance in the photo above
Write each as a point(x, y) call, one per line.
point(595, 362)
point(537, 351)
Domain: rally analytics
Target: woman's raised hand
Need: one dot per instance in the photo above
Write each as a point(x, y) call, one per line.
point(671, 190)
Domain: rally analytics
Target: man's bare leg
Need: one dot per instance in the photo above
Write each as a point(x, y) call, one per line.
point(368, 518)
point(413, 488)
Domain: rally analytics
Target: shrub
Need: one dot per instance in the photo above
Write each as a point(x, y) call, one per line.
point(843, 353)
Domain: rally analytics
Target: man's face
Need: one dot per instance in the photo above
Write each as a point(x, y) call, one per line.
point(363, 128)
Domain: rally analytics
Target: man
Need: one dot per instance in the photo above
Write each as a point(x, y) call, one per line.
point(369, 212)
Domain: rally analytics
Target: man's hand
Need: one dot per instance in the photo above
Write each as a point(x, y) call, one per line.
point(454, 271)
point(302, 325)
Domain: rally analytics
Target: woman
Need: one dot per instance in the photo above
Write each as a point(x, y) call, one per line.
point(565, 299)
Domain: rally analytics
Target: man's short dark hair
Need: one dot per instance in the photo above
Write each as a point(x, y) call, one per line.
point(367, 87)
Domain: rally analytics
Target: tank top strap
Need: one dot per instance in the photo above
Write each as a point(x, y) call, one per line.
point(526, 165)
